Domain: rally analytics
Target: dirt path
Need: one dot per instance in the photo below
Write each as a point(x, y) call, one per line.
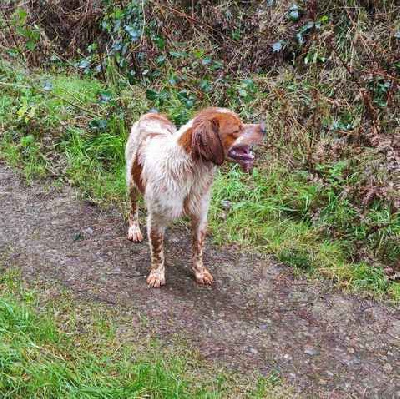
point(256, 317)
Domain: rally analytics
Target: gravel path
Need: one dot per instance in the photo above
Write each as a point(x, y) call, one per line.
point(256, 317)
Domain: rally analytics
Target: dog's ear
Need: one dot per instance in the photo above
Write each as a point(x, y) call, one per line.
point(206, 142)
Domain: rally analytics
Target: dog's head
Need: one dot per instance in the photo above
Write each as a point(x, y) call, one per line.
point(219, 134)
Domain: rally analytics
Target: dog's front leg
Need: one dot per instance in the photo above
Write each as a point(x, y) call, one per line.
point(155, 234)
point(199, 230)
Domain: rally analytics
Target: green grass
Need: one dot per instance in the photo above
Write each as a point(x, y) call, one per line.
point(75, 129)
point(56, 348)
point(82, 143)
point(270, 212)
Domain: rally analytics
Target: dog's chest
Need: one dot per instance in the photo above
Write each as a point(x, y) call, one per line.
point(174, 196)
point(174, 183)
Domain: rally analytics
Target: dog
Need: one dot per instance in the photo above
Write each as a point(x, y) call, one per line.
point(174, 169)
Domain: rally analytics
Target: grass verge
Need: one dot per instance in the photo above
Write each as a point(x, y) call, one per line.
point(269, 212)
point(55, 348)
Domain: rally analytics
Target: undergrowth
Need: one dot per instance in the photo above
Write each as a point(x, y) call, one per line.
point(56, 348)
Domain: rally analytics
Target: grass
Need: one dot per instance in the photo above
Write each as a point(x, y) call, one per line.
point(269, 212)
point(75, 129)
point(55, 347)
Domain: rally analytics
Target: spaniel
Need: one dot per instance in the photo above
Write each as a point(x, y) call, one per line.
point(174, 169)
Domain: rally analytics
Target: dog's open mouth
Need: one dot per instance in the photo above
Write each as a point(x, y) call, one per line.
point(243, 156)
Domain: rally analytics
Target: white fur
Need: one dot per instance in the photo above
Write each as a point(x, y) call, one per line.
point(169, 172)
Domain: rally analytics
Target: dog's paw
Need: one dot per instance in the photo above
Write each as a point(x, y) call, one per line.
point(203, 277)
point(134, 234)
point(156, 279)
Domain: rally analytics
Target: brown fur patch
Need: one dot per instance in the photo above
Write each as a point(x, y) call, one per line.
point(158, 117)
point(206, 141)
point(133, 197)
point(136, 173)
point(228, 124)
point(152, 135)
point(185, 140)
point(213, 129)
point(197, 247)
point(156, 242)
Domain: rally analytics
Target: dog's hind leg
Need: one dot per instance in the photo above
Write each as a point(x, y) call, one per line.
point(134, 233)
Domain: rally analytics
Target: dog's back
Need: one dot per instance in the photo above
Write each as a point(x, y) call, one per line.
point(148, 126)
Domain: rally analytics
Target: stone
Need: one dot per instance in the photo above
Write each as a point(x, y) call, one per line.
point(309, 350)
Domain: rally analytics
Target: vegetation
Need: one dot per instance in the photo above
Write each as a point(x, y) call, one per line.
point(324, 197)
point(58, 348)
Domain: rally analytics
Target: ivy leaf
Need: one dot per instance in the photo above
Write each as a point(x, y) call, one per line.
point(98, 124)
point(294, 12)
point(118, 14)
point(300, 38)
point(20, 14)
point(205, 85)
point(83, 64)
point(243, 93)
point(236, 34)
point(105, 96)
point(277, 46)
point(161, 59)
point(163, 95)
point(133, 32)
point(47, 86)
point(324, 19)
point(151, 95)
point(173, 80)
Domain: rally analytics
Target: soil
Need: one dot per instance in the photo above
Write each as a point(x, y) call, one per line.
point(258, 316)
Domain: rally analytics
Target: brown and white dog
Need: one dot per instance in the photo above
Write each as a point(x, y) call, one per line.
point(174, 170)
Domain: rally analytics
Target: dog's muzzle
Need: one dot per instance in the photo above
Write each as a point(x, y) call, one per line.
point(240, 151)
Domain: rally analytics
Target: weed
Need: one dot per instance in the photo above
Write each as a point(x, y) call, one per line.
point(296, 258)
point(394, 291)
point(370, 278)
